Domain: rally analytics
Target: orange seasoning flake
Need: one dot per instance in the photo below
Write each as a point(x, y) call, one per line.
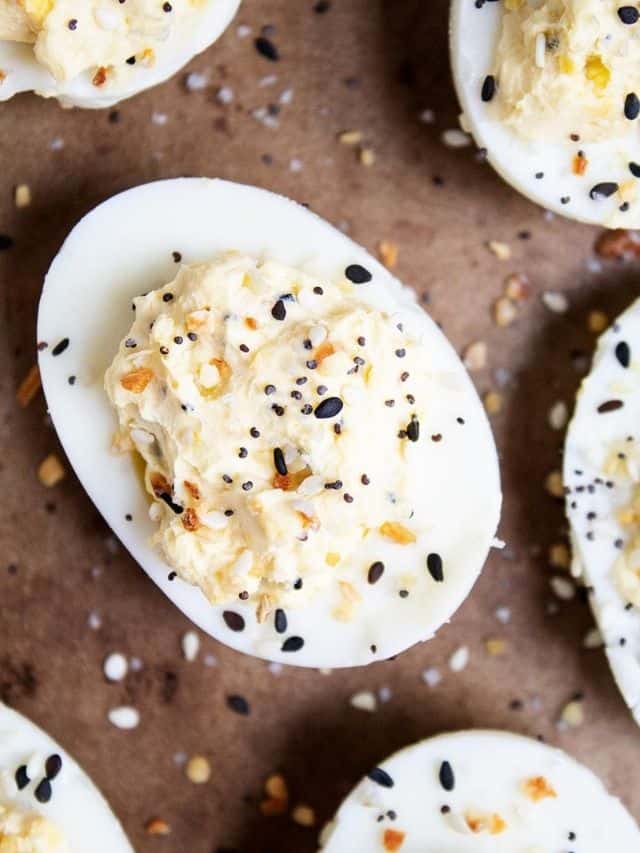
point(100, 77)
point(393, 839)
point(491, 823)
point(190, 520)
point(537, 788)
point(397, 533)
point(323, 351)
point(193, 490)
point(137, 380)
point(160, 484)
point(579, 164)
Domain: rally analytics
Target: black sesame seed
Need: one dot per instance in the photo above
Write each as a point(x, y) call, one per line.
point(243, 453)
point(446, 776)
point(434, 565)
point(631, 106)
point(164, 350)
point(376, 570)
point(413, 429)
point(174, 507)
point(488, 88)
point(238, 704)
point(21, 777)
point(243, 348)
point(73, 24)
point(246, 487)
point(279, 311)
point(292, 644)
point(609, 406)
point(318, 291)
point(634, 168)
point(358, 274)
point(279, 463)
point(6, 242)
point(280, 621)
point(267, 48)
point(329, 408)
point(167, 7)
point(43, 791)
point(60, 347)
point(603, 190)
point(628, 14)
point(380, 777)
point(254, 433)
point(178, 339)
point(234, 621)
point(53, 766)
point(279, 410)
point(192, 336)
point(167, 297)
point(623, 353)
point(269, 389)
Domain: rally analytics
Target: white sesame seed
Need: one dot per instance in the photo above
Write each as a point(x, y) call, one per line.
point(555, 301)
point(454, 138)
point(195, 81)
point(365, 700)
point(562, 588)
point(431, 676)
point(190, 645)
point(224, 95)
point(593, 639)
point(459, 659)
point(558, 415)
point(115, 667)
point(503, 615)
point(94, 621)
point(125, 717)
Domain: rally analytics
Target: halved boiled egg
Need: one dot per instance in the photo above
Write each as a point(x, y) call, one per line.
point(480, 791)
point(550, 91)
point(320, 483)
point(47, 803)
point(602, 477)
point(96, 53)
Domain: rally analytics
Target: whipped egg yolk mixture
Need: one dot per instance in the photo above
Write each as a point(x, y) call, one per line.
point(99, 36)
point(567, 68)
point(27, 832)
point(276, 415)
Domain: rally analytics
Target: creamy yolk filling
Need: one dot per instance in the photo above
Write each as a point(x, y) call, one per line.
point(277, 416)
point(103, 38)
point(567, 69)
point(28, 832)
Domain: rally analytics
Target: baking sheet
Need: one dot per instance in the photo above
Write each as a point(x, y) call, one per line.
point(379, 68)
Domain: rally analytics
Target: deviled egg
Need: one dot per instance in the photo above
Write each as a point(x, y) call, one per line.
point(480, 791)
point(550, 90)
point(320, 482)
point(99, 52)
point(47, 803)
point(602, 481)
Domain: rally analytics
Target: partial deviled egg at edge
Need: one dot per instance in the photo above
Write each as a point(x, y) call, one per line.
point(320, 483)
point(551, 91)
point(47, 803)
point(96, 53)
point(480, 792)
point(602, 476)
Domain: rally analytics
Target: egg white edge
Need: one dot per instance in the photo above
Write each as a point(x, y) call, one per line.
point(594, 560)
point(77, 806)
point(18, 60)
point(317, 237)
point(473, 37)
point(423, 755)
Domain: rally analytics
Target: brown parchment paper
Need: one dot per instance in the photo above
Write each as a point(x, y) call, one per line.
point(362, 65)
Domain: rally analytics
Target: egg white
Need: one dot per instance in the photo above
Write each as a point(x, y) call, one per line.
point(124, 248)
point(588, 443)
point(489, 768)
point(474, 35)
point(76, 806)
point(25, 74)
